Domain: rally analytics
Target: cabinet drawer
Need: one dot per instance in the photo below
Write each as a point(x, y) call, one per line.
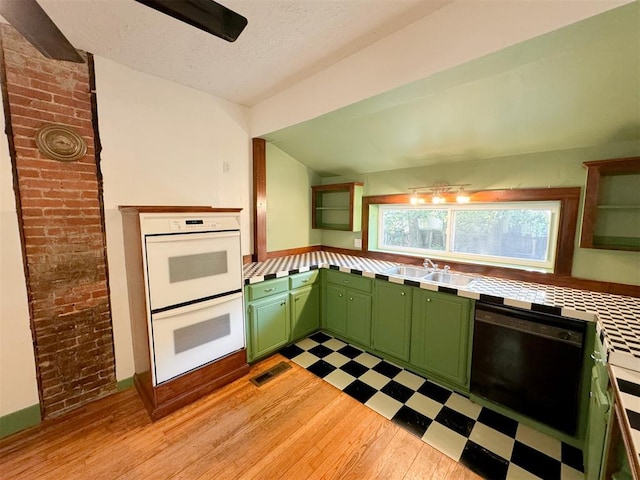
point(303, 279)
point(349, 280)
point(265, 289)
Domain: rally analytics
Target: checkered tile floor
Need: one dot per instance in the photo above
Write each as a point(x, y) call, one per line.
point(490, 444)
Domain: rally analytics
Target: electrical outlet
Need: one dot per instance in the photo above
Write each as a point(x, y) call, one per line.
point(226, 167)
point(357, 242)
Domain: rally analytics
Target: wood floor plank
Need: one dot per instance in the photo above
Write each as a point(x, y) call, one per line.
point(295, 426)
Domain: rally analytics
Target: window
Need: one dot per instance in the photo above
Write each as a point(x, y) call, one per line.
point(509, 234)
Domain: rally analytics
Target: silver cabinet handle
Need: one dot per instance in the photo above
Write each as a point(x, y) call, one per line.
point(340, 295)
point(351, 298)
point(428, 299)
point(402, 293)
point(305, 280)
point(269, 289)
point(297, 298)
point(595, 356)
point(345, 281)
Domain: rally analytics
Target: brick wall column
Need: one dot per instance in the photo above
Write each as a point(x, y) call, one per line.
point(61, 217)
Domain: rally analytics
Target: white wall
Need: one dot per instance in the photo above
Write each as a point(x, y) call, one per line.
point(18, 384)
point(164, 144)
point(457, 33)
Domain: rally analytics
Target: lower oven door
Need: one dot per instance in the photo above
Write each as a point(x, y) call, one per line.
point(189, 337)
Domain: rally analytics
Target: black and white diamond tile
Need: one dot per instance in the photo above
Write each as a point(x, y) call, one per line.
point(490, 444)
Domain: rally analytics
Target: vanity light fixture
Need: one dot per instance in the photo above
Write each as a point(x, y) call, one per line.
point(416, 199)
point(438, 193)
point(438, 199)
point(462, 196)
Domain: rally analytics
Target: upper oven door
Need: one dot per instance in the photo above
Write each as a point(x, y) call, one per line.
point(183, 268)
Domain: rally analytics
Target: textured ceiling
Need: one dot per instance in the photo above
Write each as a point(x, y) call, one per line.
point(574, 88)
point(284, 42)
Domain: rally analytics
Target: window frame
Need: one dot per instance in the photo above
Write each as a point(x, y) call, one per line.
point(450, 254)
point(569, 198)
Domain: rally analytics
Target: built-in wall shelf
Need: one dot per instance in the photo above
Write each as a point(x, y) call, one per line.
point(337, 206)
point(611, 218)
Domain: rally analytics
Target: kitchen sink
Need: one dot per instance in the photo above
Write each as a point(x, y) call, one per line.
point(449, 278)
point(411, 272)
point(425, 274)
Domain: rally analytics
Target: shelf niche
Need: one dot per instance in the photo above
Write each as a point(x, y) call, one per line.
point(337, 206)
point(611, 218)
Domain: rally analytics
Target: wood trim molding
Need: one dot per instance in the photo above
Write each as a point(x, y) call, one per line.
point(569, 199)
point(176, 209)
point(294, 251)
point(259, 199)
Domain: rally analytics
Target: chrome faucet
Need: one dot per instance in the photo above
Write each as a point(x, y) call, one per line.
point(428, 263)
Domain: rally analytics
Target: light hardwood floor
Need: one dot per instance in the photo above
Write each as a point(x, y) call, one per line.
point(295, 427)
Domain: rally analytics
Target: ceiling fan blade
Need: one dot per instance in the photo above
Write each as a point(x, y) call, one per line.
point(28, 17)
point(206, 15)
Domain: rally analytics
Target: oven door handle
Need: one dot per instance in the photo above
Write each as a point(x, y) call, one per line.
point(195, 306)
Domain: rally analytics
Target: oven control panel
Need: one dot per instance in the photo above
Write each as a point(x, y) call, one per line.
point(177, 223)
point(195, 224)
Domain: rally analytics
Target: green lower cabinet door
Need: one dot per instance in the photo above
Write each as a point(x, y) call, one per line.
point(336, 310)
point(359, 318)
point(305, 312)
point(270, 325)
point(599, 418)
point(441, 335)
point(392, 319)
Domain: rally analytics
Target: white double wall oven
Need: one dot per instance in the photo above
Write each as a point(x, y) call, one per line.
point(193, 279)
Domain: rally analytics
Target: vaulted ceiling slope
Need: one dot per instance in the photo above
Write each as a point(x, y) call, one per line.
point(284, 41)
point(572, 88)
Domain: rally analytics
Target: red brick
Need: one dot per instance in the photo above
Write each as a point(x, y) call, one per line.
point(18, 110)
point(31, 93)
point(77, 123)
point(52, 107)
point(24, 131)
point(50, 87)
point(61, 217)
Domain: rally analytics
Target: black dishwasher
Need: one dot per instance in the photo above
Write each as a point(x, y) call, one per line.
point(530, 362)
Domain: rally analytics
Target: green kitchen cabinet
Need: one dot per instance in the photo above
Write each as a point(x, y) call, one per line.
point(441, 336)
point(280, 311)
point(392, 319)
point(359, 317)
point(600, 415)
point(305, 311)
point(270, 324)
point(347, 311)
point(304, 295)
point(597, 433)
point(336, 309)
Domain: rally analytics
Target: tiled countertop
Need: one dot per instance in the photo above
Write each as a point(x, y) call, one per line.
point(617, 316)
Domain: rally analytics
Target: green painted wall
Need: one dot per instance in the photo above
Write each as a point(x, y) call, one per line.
point(527, 116)
point(576, 87)
point(289, 202)
point(550, 169)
